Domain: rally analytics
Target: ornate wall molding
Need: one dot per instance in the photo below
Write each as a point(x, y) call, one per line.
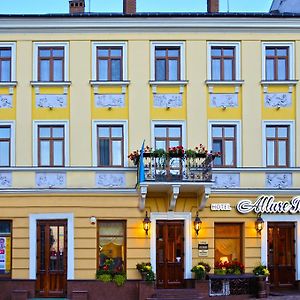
point(51, 101)
point(5, 180)
point(226, 181)
point(5, 101)
point(110, 180)
point(224, 100)
point(278, 100)
point(110, 100)
point(50, 180)
point(278, 180)
point(167, 100)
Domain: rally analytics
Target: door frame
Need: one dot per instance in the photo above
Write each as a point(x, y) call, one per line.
point(33, 242)
point(173, 216)
point(264, 237)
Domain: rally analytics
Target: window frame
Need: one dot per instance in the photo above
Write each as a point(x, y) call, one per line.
point(96, 45)
point(36, 125)
point(9, 275)
point(95, 124)
point(125, 241)
point(291, 143)
point(237, 125)
point(237, 61)
point(12, 150)
point(291, 59)
point(12, 47)
point(37, 46)
point(181, 66)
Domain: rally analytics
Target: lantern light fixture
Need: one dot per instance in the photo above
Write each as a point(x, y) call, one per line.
point(259, 223)
point(197, 223)
point(146, 223)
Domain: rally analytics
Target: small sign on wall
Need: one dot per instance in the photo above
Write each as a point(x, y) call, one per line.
point(203, 248)
point(220, 206)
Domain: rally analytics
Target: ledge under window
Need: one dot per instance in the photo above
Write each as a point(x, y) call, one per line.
point(97, 83)
point(235, 83)
point(289, 83)
point(38, 84)
point(180, 83)
point(10, 85)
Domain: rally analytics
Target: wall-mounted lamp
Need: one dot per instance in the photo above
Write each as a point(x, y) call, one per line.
point(93, 220)
point(146, 223)
point(224, 107)
point(259, 223)
point(197, 223)
point(109, 107)
point(278, 106)
point(168, 106)
point(50, 107)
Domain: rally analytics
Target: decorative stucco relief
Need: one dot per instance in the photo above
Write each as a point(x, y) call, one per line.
point(50, 180)
point(110, 100)
point(226, 181)
point(5, 180)
point(5, 101)
point(280, 181)
point(224, 100)
point(110, 180)
point(278, 100)
point(167, 100)
point(51, 101)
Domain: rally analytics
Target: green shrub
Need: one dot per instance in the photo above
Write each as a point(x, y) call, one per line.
point(119, 279)
point(104, 277)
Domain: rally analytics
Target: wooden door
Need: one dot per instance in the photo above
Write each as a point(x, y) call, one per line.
point(170, 254)
point(281, 253)
point(51, 279)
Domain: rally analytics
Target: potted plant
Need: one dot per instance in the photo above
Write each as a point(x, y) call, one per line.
point(262, 272)
point(146, 272)
point(233, 267)
point(201, 270)
point(177, 151)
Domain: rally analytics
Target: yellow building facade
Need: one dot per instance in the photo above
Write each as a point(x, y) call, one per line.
point(83, 92)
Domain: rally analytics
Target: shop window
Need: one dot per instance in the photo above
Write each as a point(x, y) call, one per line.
point(228, 242)
point(5, 248)
point(112, 245)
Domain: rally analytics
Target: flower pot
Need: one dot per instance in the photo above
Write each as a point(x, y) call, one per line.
point(261, 286)
point(143, 274)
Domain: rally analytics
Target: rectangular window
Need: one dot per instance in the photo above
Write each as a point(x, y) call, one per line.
point(110, 144)
point(5, 64)
point(167, 63)
point(223, 63)
point(277, 146)
point(51, 146)
point(5, 146)
point(112, 245)
point(5, 248)
point(51, 61)
point(277, 63)
point(224, 141)
point(109, 63)
point(167, 136)
point(228, 242)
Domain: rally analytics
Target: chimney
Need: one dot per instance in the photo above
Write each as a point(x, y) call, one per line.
point(76, 6)
point(212, 6)
point(129, 7)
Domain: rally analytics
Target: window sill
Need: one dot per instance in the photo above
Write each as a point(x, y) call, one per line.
point(97, 83)
point(289, 83)
point(38, 84)
point(10, 85)
point(235, 83)
point(180, 83)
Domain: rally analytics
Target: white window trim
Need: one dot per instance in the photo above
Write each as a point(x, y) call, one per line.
point(12, 141)
point(181, 45)
point(170, 215)
point(35, 138)
point(169, 123)
point(33, 243)
point(36, 46)
point(109, 44)
point(291, 125)
point(237, 47)
point(264, 237)
point(291, 57)
point(12, 46)
point(236, 123)
point(123, 123)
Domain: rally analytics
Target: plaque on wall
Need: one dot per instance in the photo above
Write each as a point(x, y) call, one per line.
point(5, 101)
point(278, 100)
point(51, 101)
point(167, 100)
point(224, 100)
point(109, 100)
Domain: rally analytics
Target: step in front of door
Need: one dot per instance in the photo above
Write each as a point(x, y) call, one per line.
point(176, 294)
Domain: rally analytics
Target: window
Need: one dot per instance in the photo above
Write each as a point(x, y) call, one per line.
point(228, 242)
point(167, 136)
point(5, 145)
point(223, 63)
point(110, 144)
point(5, 248)
point(51, 146)
point(277, 63)
point(5, 63)
point(224, 140)
point(277, 146)
point(109, 63)
point(112, 244)
point(167, 63)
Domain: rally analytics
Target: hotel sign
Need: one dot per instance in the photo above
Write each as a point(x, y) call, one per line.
point(267, 205)
point(220, 206)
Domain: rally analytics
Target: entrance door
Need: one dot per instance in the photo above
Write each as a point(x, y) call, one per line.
point(51, 274)
point(169, 254)
point(281, 253)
